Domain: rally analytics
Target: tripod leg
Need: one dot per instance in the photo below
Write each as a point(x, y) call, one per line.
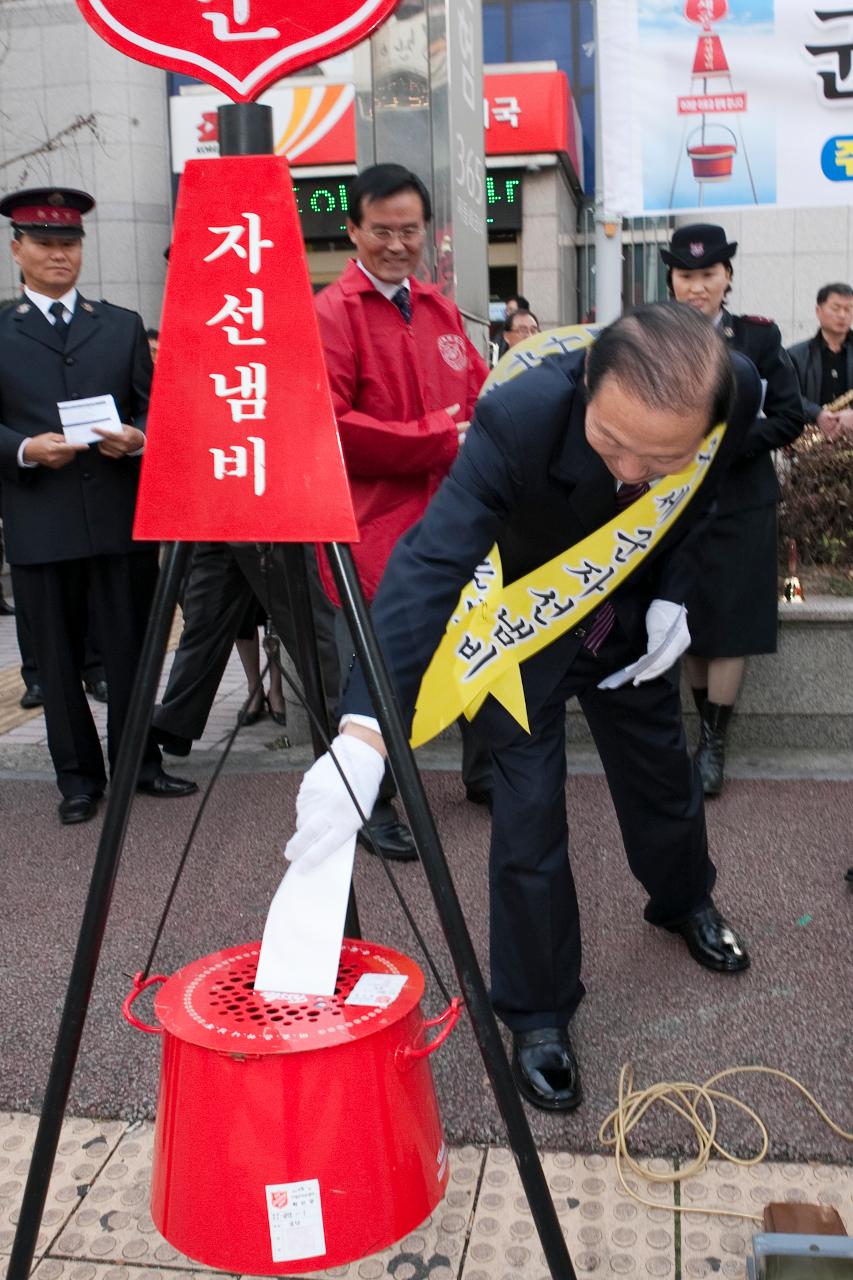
point(121, 791)
point(450, 913)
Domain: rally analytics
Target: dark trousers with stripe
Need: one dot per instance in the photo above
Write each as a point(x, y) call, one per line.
point(535, 926)
point(60, 601)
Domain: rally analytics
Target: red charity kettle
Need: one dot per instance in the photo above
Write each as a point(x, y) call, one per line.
point(294, 1133)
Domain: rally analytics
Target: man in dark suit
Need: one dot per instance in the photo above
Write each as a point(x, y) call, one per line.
point(824, 363)
point(68, 508)
point(549, 459)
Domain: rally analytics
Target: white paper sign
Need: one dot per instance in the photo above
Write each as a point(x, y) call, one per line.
point(78, 417)
point(377, 989)
point(296, 1220)
point(301, 947)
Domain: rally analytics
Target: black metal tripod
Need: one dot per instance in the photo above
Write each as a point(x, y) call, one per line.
point(246, 129)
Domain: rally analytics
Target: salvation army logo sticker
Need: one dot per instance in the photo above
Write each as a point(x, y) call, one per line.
point(239, 46)
point(452, 350)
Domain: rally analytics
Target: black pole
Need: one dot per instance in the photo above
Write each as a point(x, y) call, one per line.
point(82, 977)
point(450, 913)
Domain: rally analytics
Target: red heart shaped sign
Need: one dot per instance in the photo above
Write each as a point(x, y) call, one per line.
point(240, 46)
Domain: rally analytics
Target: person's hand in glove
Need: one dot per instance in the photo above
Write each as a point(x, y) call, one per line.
point(326, 817)
point(668, 639)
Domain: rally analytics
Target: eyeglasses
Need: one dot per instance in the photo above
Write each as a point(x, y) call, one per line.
point(384, 235)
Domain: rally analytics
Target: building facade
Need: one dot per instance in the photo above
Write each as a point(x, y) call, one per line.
point(75, 112)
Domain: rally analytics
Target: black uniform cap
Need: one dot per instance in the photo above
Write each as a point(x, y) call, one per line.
point(699, 245)
point(55, 211)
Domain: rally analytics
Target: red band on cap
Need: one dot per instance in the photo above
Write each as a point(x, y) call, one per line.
point(48, 216)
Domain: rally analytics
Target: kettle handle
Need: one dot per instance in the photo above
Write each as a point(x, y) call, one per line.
point(139, 985)
point(407, 1055)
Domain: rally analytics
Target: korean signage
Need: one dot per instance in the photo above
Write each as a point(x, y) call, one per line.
point(323, 206)
point(717, 104)
point(524, 113)
point(241, 46)
point(241, 437)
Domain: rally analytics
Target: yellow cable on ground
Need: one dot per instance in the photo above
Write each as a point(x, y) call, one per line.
point(686, 1099)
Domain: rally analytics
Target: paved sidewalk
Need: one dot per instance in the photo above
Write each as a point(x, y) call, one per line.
point(97, 1225)
point(783, 850)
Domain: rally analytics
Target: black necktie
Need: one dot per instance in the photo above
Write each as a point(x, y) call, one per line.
point(403, 302)
point(601, 622)
point(58, 310)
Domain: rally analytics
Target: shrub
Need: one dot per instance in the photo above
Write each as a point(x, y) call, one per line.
point(817, 502)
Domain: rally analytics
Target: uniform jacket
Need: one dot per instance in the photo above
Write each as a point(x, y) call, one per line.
point(391, 383)
point(85, 508)
point(807, 362)
point(527, 479)
point(752, 481)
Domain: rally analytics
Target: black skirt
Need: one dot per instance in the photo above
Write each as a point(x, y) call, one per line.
point(732, 609)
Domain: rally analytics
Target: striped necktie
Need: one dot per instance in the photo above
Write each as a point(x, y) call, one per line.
point(601, 623)
point(403, 302)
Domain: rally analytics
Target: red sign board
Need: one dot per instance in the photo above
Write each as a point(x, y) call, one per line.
point(525, 113)
point(240, 46)
point(242, 444)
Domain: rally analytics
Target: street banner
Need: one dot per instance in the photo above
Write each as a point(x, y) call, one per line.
point(241, 443)
point(725, 104)
point(240, 46)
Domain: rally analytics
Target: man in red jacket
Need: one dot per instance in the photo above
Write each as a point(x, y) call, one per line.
point(404, 381)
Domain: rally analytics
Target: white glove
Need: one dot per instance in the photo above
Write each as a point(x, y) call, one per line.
point(326, 817)
point(668, 638)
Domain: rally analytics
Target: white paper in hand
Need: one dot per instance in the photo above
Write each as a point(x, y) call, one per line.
point(301, 947)
point(78, 417)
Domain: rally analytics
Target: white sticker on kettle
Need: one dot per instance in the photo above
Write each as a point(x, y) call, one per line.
point(296, 1220)
point(379, 989)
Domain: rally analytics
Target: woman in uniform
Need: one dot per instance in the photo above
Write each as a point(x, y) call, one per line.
point(732, 610)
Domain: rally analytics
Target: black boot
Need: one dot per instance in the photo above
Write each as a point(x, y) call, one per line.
point(711, 755)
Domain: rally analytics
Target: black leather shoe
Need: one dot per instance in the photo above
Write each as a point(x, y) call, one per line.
point(32, 697)
point(6, 609)
point(712, 942)
point(97, 689)
point(545, 1068)
point(849, 876)
point(479, 795)
point(392, 837)
point(77, 809)
point(165, 787)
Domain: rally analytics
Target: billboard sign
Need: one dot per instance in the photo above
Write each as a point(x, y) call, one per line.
point(724, 104)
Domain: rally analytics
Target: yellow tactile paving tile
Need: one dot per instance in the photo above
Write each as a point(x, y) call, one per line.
point(114, 1223)
point(607, 1233)
point(718, 1246)
point(84, 1147)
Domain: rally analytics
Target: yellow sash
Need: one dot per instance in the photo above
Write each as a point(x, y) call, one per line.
point(495, 628)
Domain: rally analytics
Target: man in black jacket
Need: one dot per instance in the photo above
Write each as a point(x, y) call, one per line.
point(824, 363)
point(68, 508)
point(550, 458)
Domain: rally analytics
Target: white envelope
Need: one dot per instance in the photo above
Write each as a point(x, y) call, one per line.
point(301, 947)
point(78, 417)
